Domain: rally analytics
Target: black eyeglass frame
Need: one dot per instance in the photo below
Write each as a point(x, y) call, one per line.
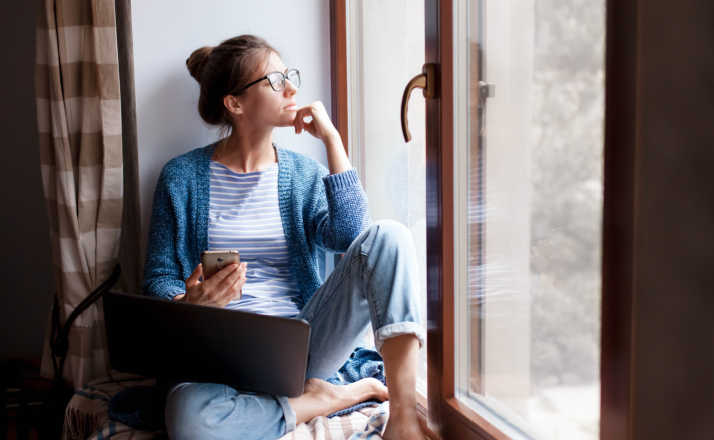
point(284, 78)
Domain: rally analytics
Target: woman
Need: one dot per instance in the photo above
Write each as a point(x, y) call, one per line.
point(281, 210)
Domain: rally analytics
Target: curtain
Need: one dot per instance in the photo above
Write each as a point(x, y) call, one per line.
point(80, 131)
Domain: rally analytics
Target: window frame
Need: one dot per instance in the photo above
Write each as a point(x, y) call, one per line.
point(338, 68)
point(445, 416)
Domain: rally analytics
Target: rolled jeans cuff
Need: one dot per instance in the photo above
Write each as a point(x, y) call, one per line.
point(398, 329)
point(288, 413)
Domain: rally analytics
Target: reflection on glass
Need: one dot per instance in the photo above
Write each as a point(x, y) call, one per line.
point(534, 211)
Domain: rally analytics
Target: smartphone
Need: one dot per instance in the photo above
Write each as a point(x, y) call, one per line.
point(213, 261)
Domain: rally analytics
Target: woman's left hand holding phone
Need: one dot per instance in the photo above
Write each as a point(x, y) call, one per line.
point(220, 289)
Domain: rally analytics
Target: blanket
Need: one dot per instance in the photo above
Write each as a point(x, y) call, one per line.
point(88, 417)
point(130, 405)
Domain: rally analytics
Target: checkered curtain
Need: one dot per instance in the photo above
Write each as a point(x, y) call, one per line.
point(80, 133)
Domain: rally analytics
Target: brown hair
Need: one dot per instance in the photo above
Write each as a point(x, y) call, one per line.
point(222, 69)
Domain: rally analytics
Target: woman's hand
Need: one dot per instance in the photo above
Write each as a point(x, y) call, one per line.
point(321, 126)
point(223, 287)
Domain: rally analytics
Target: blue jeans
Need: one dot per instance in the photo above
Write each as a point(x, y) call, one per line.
point(376, 281)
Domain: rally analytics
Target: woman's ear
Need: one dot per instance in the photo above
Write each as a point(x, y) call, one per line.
point(231, 103)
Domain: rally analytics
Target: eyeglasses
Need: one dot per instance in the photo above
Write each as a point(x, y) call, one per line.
point(276, 80)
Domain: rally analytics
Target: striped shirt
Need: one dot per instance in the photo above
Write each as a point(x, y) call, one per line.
point(244, 215)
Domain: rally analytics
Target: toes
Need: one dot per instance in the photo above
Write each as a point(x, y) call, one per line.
point(379, 391)
point(383, 394)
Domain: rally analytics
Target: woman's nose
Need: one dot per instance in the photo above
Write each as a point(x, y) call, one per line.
point(290, 89)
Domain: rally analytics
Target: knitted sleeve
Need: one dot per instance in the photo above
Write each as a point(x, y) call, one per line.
point(162, 274)
point(340, 211)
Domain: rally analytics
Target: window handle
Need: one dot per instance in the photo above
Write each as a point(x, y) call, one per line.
point(425, 81)
point(485, 90)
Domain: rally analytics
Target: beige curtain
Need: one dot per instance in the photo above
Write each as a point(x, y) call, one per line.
point(80, 132)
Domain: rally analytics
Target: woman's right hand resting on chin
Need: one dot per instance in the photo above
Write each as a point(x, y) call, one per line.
point(223, 287)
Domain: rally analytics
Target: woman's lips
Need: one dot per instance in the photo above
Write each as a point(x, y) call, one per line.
point(291, 107)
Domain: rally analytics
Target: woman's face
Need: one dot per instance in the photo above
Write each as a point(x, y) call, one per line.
point(263, 106)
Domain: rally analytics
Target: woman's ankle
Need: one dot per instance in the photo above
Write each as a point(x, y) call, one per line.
point(401, 411)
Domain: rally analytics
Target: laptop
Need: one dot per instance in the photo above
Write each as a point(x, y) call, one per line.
point(181, 342)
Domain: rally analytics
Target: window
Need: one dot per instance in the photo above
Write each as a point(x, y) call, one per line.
point(528, 211)
point(391, 170)
point(514, 255)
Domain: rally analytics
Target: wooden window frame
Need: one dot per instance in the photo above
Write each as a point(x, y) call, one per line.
point(447, 417)
point(338, 68)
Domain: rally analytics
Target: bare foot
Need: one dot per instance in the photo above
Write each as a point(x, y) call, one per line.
point(347, 395)
point(322, 398)
point(369, 388)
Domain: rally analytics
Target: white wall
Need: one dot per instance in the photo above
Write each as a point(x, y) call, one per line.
point(165, 32)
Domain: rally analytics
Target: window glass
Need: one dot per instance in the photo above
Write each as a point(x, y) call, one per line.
point(529, 212)
point(385, 44)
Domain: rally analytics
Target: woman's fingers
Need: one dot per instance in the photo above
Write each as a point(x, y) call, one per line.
point(310, 127)
point(300, 116)
point(237, 287)
point(309, 111)
point(194, 287)
point(219, 276)
point(212, 285)
point(296, 121)
point(224, 286)
point(193, 279)
point(320, 124)
point(225, 292)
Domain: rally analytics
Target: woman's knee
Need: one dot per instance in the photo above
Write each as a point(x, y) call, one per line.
point(392, 234)
point(208, 410)
point(183, 415)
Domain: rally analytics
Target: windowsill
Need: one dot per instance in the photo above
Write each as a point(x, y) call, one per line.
point(422, 413)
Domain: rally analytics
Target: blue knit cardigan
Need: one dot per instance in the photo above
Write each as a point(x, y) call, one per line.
point(319, 212)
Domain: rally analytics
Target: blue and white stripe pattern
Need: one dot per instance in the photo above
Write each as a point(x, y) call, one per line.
point(244, 215)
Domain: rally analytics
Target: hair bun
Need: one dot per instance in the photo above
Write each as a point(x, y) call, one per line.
point(197, 61)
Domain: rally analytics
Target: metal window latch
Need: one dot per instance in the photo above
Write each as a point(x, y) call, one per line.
point(425, 81)
point(486, 90)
